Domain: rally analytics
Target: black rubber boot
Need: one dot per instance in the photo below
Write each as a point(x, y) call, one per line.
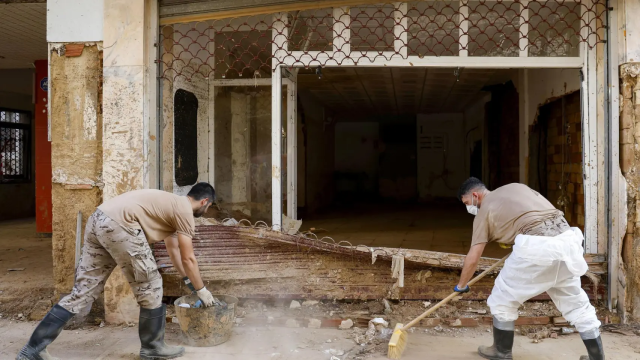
point(151, 330)
point(501, 348)
point(594, 348)
point(44, 334)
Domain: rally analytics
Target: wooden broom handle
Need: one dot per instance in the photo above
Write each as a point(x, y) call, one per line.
point(454, 294)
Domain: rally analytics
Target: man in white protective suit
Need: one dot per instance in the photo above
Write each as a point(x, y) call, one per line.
point(547, 256)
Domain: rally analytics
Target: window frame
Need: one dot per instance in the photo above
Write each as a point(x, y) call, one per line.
point(26, 155)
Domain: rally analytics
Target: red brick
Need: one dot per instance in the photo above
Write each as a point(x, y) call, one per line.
point(72, 50)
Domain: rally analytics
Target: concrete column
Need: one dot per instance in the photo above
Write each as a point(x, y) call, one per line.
point(76, 157)
point(124, 126)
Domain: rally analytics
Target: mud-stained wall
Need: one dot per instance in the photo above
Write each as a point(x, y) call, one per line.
point(76, 150)
point(243, 151)
point(630, 166)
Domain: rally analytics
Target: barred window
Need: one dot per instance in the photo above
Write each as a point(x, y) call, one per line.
point(15, 141)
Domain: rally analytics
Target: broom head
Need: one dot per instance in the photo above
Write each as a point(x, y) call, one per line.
point(398, 342)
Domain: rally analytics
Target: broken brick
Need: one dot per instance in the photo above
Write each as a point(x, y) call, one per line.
point(540, 320)
point(73, 50)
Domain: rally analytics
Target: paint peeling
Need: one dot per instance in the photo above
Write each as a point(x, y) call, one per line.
point(90, 123)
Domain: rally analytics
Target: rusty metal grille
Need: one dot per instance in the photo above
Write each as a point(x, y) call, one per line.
point(14, 146)
point(249, 47)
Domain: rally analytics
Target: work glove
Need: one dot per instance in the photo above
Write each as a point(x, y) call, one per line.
point(463, 290)
point(189, 284)
point(206, 297)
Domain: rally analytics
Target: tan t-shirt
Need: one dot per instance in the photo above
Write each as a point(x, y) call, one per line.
point(158, 213)
point(508, 211)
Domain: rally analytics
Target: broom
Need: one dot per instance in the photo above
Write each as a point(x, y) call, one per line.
point(399, 339)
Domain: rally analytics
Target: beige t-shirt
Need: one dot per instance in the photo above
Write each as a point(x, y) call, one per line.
point(158, 213)
point(508, 211)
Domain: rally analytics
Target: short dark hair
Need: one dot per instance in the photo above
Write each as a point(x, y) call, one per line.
point(469, 185)
point(202, 191)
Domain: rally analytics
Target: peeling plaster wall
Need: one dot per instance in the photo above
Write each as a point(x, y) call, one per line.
point(630, 166)
point(76, 149)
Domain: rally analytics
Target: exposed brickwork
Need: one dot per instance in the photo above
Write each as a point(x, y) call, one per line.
point(564, 157)
point(629, 161)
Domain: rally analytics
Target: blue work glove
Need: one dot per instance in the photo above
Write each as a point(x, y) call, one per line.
point(462, 291)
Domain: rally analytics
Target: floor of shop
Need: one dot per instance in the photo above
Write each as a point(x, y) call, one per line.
point(26, 267)
point(436, 227)
point(111, 342)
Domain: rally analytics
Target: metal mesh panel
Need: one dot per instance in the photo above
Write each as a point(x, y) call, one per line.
point(249, 47)
point(14, 142)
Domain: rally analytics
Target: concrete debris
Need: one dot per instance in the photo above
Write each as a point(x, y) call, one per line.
point(438, 328)
point(294, 305)
point(554, 335)
point(335, 352)
point(290, 226)
point(334, 358)
point(397, 270)
point(426, 304)
point(379, 321)
point(310, 303)
point(387, 306)
point(314, 324)
point(346, 324)
point(230, 222)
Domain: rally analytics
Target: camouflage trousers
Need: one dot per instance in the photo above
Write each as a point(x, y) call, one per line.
point(107, 244)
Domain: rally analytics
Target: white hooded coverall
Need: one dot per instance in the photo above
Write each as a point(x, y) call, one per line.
point(538, 264)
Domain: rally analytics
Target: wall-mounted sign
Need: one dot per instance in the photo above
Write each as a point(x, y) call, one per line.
point(44, 84)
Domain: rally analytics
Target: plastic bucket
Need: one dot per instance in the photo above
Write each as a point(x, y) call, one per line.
point(203, 327)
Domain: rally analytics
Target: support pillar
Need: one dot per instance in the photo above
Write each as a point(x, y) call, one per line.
point(124, 139)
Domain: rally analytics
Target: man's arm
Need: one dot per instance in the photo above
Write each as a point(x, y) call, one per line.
point(470, 264)
point(171, 242)
point(189, 262)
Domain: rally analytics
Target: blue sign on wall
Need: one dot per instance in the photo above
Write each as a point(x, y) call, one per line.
point(44, 84)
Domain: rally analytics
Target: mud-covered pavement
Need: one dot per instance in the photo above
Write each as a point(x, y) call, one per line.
point(264, 343)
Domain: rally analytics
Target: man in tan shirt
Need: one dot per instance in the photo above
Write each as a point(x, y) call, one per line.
point(547, 257)
point(119, 233)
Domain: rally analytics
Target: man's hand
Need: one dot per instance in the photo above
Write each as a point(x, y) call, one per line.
point(206, 297)
point(461, 290)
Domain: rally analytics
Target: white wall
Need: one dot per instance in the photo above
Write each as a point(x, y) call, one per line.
point(75, 20)
point(629, 30)
point(440, 173)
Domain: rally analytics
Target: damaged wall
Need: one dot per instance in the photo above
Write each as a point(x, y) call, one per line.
point(562, 166)
point(76, 148)
point(243, 151)
point(630, 166)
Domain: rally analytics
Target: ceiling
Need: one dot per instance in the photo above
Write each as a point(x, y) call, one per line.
point(369, 90)
point(23, 34)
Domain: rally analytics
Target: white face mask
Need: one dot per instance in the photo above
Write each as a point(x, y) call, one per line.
point(472, 209)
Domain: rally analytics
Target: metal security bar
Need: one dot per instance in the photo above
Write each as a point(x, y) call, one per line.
point(15, 128)
point(379, 35)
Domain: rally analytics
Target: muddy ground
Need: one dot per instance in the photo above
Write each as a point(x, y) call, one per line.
point(27, 293)
point(264, 343)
